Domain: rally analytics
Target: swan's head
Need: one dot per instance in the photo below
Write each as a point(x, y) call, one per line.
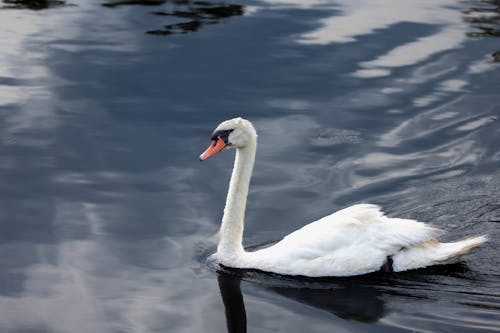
point(237, 132)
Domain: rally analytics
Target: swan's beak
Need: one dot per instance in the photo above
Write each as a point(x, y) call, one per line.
point(215, 147)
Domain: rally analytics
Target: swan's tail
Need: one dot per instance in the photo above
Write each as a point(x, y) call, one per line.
point(434, 253)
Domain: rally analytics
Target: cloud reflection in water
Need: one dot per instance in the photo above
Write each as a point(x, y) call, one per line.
point(359, 18)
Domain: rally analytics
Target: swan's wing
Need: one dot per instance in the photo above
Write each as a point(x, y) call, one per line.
point(362, 223)
point(354, 240)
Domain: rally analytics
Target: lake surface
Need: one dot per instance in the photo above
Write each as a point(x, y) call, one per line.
point(107, 217)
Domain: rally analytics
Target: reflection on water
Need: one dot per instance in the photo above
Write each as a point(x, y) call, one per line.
point(33, 4)
point(352, 299)
point(113, 4)
point(193, 14)
point(349, 300)
point(234, 305)
point(361, 299)
point(496, 56)
point(107, 216)
point(361, 17)
point(483, 16)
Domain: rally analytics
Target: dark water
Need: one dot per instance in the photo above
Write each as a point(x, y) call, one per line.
point(107, 217)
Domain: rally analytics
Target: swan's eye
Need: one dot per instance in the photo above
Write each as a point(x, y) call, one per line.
point(223, 134)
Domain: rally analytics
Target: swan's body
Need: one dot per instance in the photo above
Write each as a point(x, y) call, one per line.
point(353, 241)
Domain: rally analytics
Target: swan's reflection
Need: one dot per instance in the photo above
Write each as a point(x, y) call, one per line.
point(230, 291)
point(347, 299)
point(359, 298)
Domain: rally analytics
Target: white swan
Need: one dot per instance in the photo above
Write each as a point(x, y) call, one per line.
point(355, 240)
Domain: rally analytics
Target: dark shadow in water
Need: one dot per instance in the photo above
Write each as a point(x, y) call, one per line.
point(199, 16)
point(113, 4)
point(33, 4)
point(351, 299)
point(348, 300)
point(230, 291)
point(485, 17)
point(496, 56)
point(190, 15)
point(359, 298)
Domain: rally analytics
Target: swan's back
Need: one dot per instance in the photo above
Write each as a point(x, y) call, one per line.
point(355, 240)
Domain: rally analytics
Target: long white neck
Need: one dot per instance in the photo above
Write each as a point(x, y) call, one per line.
point(231, 232)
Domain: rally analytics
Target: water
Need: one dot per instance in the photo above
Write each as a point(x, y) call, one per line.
point(107, 217)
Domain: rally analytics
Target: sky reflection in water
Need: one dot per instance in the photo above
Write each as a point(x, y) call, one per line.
point(107, 217)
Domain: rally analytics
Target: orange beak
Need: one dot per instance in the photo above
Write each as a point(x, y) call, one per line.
point(215, 147)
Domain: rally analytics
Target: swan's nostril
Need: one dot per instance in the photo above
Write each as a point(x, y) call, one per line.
point(215, 147)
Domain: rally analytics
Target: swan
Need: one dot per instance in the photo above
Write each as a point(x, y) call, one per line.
point(356, 240)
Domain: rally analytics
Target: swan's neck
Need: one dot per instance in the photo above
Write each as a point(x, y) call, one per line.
point(230, 245)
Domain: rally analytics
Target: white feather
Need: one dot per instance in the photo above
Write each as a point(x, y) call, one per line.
point(355, 240)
